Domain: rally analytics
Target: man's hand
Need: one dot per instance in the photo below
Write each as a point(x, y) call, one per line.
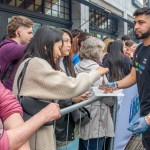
point(111, 84)
point(139, 126)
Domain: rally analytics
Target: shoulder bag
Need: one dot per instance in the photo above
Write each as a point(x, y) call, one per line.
point(30, 105)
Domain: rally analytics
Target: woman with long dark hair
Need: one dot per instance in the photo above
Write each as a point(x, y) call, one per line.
point(43, 79)
point(66, 128)
point(119, 65)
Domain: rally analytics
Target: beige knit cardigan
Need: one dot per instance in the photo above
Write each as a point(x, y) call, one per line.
point(43, 82)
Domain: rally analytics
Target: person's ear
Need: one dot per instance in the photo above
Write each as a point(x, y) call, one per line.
point(17, 33)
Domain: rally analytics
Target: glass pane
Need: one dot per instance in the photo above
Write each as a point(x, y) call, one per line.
point(61, 15)
point(12, 3)
point(38, 2)
point(54, 13)
point(55, 2)
point(62, 9)
point(55, 7)
point(9, 19)
point(51, 26)
point(66, 17)
point(35, 27)
point(66, 4)
point(38, 8)
point(48, 5)
point(99, 36)
point(31, 7)
point(20, 3)
point(66, 10)
point(62, 3)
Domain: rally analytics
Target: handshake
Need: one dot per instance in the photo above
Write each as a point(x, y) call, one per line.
point(140, 125)
point(108, 87)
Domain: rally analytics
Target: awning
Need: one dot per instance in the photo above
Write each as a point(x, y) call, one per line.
point(96, 7)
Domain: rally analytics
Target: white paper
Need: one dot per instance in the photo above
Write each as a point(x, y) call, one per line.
point(99, 92)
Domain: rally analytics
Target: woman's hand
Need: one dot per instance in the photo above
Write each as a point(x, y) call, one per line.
point(81, 97)
point(102, 70)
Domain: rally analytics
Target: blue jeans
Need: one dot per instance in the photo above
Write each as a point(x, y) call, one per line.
point(91, 144)
point(73, 145)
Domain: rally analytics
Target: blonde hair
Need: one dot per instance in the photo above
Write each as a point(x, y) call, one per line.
point(92, 49)
point(16, 22)
point(107, 41)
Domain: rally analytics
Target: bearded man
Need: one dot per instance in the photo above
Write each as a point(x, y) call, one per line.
point(140, 74)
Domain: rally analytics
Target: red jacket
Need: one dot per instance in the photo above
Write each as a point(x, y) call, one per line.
point(8, 106)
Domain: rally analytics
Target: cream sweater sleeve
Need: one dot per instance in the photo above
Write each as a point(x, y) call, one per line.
point(42, 81)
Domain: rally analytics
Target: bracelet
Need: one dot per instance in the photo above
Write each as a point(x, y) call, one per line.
point(117, 85)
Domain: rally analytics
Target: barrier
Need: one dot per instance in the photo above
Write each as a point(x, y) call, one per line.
point(125, 110)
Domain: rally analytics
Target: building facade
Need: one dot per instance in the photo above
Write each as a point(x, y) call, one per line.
point(99, 17)
point(112, 18)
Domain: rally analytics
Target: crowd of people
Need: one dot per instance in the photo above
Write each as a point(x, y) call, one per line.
point(58, 67)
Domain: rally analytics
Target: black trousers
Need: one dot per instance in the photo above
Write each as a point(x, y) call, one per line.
point(146, 139)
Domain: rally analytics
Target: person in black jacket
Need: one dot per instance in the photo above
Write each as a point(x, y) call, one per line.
point(140, 74)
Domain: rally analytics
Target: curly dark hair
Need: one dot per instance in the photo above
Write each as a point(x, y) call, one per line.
point(141, 11)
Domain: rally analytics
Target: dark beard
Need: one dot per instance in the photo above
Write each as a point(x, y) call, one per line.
point(144, 35)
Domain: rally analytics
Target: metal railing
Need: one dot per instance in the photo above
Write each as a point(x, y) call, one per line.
point(76, 106)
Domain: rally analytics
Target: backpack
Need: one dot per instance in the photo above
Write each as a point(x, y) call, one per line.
point(5, 76)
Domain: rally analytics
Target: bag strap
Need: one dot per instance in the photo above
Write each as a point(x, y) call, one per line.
point(85, 111)
point(21, 76)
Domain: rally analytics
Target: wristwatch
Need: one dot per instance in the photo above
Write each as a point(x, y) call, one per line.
point(116, 84)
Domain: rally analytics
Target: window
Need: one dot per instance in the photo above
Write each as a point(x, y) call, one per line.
point(99, 20)
point(131, 31)
point(138, 3)
point(35, 27)
point(56, 8)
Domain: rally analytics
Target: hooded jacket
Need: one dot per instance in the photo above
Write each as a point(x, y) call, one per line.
point(10, 53)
